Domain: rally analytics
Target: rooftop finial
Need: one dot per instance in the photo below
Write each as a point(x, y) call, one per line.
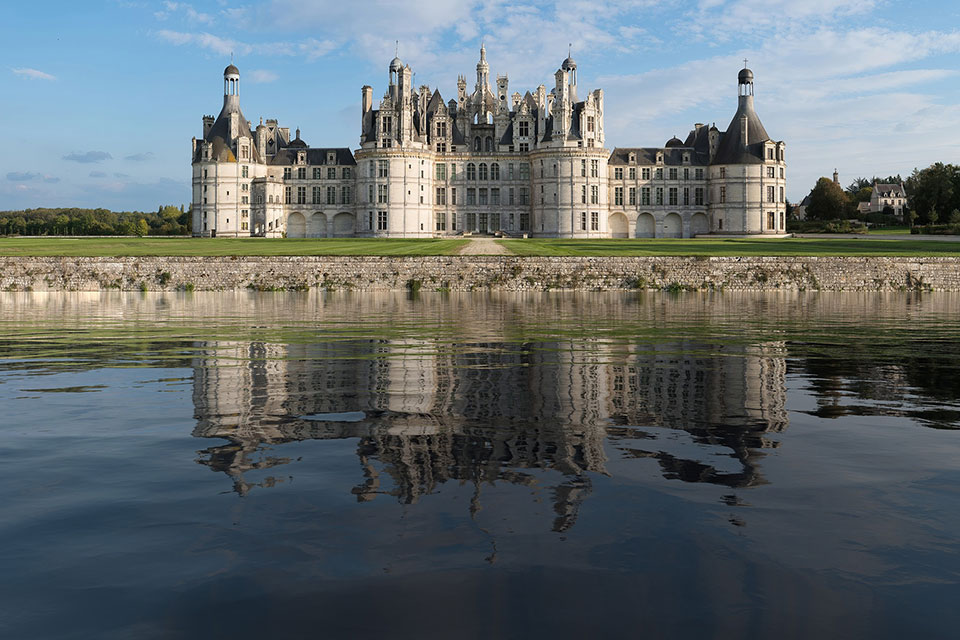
point(745, 61)
point(396, 51)
point(569, 49)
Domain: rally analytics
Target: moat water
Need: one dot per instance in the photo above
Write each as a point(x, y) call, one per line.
point(237, 465)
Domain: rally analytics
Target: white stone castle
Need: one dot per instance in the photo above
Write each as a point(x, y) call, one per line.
point(487, 162)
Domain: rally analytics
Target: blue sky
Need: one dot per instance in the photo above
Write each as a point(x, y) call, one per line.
point(102, 97)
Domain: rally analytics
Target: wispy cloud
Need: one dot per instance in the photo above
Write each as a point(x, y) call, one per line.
point(29, 176)
point(98, 174)
point(261, 76)
point(186, 10)
point(140, 157)
point(88, 157)
point(34, 74)
point(216, 44)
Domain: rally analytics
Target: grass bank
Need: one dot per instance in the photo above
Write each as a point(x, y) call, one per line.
point(117, 247)
point(729, 247)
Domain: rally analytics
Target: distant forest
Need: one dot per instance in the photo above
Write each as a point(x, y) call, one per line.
point(165, 221)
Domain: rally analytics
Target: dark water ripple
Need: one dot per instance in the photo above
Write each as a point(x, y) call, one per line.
point(475, 466)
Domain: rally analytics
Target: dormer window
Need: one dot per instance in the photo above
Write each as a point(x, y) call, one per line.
point(659, 158)
point(331, 157)
point(301, 158)
point(633, 158)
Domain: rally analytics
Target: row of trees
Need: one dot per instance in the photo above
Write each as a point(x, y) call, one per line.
point(933, 195)
point(165, 221)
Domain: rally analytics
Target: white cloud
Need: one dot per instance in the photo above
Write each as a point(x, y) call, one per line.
point(261, 76)
point(185, 10)
point(216, 44)
point(34, 74)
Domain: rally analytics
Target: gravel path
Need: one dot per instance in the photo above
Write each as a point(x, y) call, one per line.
point(484, 247)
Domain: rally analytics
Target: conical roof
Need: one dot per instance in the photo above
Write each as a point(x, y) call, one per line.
point(732, 150)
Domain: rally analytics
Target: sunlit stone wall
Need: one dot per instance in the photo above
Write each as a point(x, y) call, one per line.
point(465, 273)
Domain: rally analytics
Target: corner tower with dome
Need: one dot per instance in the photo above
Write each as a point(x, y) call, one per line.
point(487, 161)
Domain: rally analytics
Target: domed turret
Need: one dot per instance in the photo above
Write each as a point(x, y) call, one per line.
point(231, 70)
point(674, 142)
point(231, 88)
point(746, 76)
point(396, 65)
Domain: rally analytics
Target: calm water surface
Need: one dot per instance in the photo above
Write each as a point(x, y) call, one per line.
point(522, 466)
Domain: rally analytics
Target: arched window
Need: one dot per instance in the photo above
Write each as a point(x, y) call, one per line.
point(489, 118)
point(494, 171)
point(472, 171)
point(476, 144)
point(489, 144)
point(483, 171)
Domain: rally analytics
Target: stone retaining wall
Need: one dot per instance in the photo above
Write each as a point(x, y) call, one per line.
point(464, 273)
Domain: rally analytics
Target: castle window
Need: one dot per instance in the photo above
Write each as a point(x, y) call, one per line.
point(698, 196)
point(524, 198)
point(442, 129)
point(383, 194)
point(441, 171)
point(673, 173)
point(488, 145)
point(672, 194)
point(720, 224)
point(483, 171)
point(632, 194)
point(471, 196)
point(770, 153)
point(594, 168)
point(483, 197)
point(781, 173)
point(618, 196)
point(523, 128)
point(453, 200)
point(698, 174)
point(387, 124)
point(686, 173)
point(347, 173)
point(204, 174)
point(659, 195)
point(288, 195)
point(471, 171)
point(723, 172)
point(301, 195)
point(331, 195)
point(771, 220)
point(771, 195)
point(441, 197)
point(441, 147)
point(477, 144)
point(645, 195)
point(583, 194)
point(594, 194)
point(633, 173)
point(494, 171)
point(316, 195)
point(781, 195)
point(316, 173)
point(524, 171)
point(331, 173)
point(583, 168)
point(245, 171)
point(771, 172)
point(301, 158)
point(618, 173)
point(524, 147)
point(590, 124)
point(441, 220)
point(594, 221)
point(383, 168)
point(583, 221)
point(511, 196)
point(381, 220)
point(302, 173)
point(494, 196)
point(723, 194)
point(686, 195)
point(524, 221)
point(287, 173)
point(453, 171)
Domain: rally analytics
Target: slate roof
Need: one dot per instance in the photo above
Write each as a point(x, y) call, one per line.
point(884, 190)
point(219, 137)
point(315, 157)
point(672, 157)
point(731, 149)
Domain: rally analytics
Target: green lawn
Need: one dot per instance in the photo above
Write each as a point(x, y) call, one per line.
point(733, 247)
point(890, 231)
point(110, 247)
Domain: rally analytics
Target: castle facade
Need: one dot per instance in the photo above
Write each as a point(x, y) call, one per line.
point(488, 161)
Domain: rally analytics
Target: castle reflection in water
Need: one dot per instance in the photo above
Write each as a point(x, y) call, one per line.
point(427, 411)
